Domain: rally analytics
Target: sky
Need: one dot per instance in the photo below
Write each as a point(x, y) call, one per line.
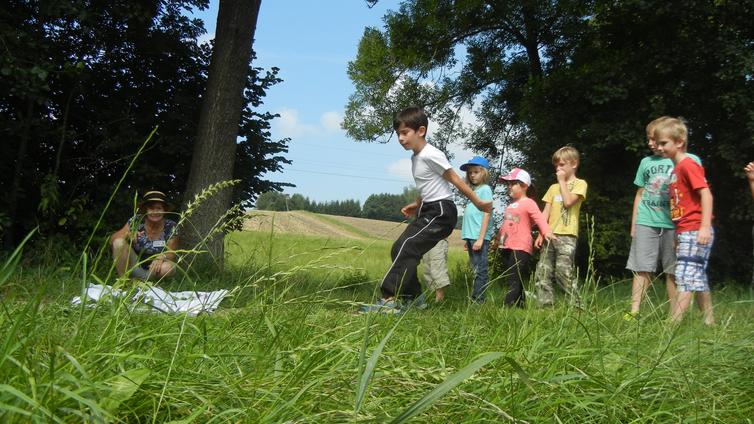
point(312, 42)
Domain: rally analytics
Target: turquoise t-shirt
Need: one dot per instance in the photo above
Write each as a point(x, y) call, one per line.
point(654, 176)
point(472, 217)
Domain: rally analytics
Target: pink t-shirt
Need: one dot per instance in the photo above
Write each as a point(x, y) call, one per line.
point(515, 233)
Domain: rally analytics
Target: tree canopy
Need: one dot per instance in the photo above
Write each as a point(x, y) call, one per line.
point(539, 75)
point(83, 84)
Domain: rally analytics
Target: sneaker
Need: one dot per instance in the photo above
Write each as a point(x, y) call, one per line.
point(382, 306)
point(631, 316)
point(418, 303)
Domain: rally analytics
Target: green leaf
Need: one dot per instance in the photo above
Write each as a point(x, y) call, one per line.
point(449, 384)
point(122, 387)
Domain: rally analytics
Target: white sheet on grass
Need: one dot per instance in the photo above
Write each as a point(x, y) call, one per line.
point(156, 299)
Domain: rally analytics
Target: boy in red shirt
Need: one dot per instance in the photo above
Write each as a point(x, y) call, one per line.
point(691, 211)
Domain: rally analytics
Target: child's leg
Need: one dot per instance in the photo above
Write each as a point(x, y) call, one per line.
point(564, 265)
point(544, 274)
point(436, 269)
point(478, 260)
point(668, 260)
point(682, 302)
point(517, 264)
point(434, 223)
point(691, 275)
point(639, 289)
point(671, 289)
point(646, 247)
point(704, 301)
point(440, 294)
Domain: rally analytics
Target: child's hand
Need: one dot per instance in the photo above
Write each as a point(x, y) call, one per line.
point(465, 246)
point(477, 245)
point(749, 168)
point(633, 231)
point(560, 175)
point(484, 206)
point(550, 236)
point(704, 235)
point(409, 210)
point(538, 241)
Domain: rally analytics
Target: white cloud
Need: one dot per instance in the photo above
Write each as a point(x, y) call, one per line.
point(288, 125)
point(401, 168)
point(331, 121)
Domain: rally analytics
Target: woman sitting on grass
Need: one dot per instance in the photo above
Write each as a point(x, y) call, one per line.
point(145, 247)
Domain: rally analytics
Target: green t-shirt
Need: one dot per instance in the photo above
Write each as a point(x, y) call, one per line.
point(654, 176)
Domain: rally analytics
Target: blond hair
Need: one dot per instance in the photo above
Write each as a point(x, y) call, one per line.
point(675, 128)
point(652, 125)
point(566, 153)
point(485, 175)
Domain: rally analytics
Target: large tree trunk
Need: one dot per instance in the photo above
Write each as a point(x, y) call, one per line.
point(215, 149)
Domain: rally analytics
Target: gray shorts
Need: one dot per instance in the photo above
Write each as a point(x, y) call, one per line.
point(652, 246)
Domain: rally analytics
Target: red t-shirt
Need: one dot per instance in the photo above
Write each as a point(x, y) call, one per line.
point(686, 180)
point(515, 233)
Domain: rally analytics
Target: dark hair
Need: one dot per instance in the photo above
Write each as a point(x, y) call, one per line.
point(412, 117)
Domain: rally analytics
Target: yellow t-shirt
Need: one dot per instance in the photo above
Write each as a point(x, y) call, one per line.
point(565, 221)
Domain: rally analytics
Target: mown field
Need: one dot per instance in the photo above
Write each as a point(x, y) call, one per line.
point(287, 346)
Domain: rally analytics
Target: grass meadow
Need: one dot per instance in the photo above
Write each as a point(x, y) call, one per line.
point(288, 347)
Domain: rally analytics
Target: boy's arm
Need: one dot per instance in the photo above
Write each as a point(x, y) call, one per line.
point(451, 176)
point(637, 199)
point(750, 176)
point(410, 209)
point(569, 199)
point(705, 229)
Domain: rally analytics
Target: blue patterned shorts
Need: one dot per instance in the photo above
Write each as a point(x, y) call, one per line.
point(691, 262)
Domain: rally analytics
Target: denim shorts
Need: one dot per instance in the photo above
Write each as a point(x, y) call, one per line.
point(691, 262)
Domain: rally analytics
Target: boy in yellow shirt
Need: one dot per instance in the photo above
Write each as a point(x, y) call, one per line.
point(562, 205)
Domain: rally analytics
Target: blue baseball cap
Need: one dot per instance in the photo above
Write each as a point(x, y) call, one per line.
point(478, 161)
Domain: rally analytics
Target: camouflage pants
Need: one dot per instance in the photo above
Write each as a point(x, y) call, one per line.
point(556, 261)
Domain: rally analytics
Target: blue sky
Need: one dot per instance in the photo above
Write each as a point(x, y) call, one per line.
point(312, 42)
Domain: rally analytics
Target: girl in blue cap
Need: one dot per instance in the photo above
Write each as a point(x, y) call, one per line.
point(476, 230)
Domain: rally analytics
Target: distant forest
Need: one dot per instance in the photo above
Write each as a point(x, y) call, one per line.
point(383, 206)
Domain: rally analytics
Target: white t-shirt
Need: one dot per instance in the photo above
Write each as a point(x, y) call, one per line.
point(427, 167)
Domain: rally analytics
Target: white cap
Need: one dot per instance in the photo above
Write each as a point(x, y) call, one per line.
point(518, 174)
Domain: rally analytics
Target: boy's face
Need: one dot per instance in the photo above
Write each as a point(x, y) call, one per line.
point(566, 167)
point(669, 147)
point(411, 139)
point(652, 144)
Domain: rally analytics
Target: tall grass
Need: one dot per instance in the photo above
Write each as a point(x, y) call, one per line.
point(288, 347)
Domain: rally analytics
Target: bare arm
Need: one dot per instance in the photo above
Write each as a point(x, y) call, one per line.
point(540, 237)
point(568, 198)
point(750, 176)
point(705, 229)
point(410, 209)
point(172, 246)
point(637, 199)
point(451, 176)
point(482, 231)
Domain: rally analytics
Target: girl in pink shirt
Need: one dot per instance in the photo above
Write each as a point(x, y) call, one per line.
point(514, 238)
